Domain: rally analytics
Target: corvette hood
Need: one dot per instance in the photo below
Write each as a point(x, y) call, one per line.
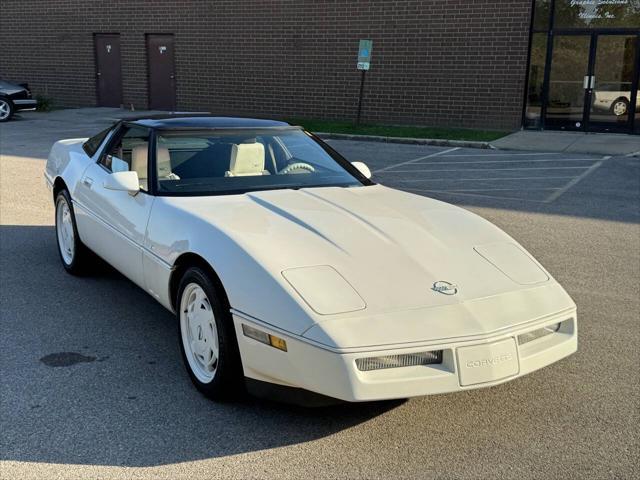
point(371, 250)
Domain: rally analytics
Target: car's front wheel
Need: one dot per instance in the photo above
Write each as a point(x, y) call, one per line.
point(73, 253)
point(6, 109)
point(207, 338)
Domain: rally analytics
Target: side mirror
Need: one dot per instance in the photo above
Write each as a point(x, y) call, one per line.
point(362, 168)
point(123, 182)
point(118, 165)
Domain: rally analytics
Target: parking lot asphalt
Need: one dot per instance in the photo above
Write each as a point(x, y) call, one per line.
point(125, 408)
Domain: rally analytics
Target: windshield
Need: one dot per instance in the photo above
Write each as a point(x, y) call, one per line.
point(238, 161)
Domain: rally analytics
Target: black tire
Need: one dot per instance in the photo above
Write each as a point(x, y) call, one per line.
point(5, 103)
point(621, 105)
point(227, 382)
point(81, 258)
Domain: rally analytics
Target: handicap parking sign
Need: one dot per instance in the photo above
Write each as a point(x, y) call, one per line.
point(364, 54)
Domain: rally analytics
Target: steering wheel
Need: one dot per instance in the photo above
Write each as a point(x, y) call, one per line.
point(301, 167)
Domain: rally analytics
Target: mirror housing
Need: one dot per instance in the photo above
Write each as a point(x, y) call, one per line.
point(123, 182)
point(362, 168)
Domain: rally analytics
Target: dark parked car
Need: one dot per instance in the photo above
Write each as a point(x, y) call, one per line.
point(14, 98)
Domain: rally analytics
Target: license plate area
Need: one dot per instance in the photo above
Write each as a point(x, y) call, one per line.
point(488, 362)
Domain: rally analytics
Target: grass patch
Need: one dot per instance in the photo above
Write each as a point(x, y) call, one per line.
point(329, 126)
point(45, 104)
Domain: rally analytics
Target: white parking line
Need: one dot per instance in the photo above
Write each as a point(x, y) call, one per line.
point(426, 166)
point(507, 161)
point(502, 154)
point(557, 194)
point(491, 179)
point(436, 154)
point(496, 189)
point(468, 194)
point(486, 169)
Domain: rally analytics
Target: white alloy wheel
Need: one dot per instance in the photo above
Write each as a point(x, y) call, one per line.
point(199, 333)
point(619, 108)
point(5, 109)
point(65, 231)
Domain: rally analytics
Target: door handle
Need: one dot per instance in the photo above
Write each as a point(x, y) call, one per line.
point(589, 82)
point(87, 181)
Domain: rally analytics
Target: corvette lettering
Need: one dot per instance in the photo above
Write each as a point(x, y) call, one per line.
point(490, 361)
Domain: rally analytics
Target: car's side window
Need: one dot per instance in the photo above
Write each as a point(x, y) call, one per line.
point(92, 145)
point(129, 151)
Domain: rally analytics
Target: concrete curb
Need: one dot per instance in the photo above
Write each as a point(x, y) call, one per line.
point(412, 141)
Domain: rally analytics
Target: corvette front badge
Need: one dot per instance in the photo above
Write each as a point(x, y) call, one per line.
point(445, 288)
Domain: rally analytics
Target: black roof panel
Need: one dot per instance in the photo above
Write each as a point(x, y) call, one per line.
point(179, 121)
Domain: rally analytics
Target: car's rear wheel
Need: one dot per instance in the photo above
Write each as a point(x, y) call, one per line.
point(207, 339)
point(6, 109)
point(73, 253)
point(620, 107)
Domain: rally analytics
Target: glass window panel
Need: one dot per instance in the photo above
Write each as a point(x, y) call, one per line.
point(541, 15)
point(597, 13)
point(569, 65)
point(243, 160)
point(130, 152)
point(614, 70)
point(92, 145)
point(637, 124)
point(536, 80)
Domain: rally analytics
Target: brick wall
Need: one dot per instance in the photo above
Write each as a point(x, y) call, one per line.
point(435, 62)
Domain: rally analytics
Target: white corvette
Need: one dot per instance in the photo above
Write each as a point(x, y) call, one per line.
point(292, 274)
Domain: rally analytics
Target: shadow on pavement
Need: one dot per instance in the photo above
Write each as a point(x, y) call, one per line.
point(128, 400)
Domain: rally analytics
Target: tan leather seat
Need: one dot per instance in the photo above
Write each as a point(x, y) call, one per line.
point(163, 159)
point(139, 163)
point(247, 159)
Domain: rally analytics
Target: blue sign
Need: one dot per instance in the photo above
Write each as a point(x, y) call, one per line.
point(364, 54)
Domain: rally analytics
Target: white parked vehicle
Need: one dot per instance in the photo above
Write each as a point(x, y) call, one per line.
point(614, 98)
point(291, 272)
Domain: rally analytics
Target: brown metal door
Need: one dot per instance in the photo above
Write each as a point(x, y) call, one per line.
point(162, 84)
point(108, 69)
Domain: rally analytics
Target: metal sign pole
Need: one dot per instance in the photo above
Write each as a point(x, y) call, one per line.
point(360, 97)
point(364, 63)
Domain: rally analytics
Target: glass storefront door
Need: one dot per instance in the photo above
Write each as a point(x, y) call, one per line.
point(593, 80)
point(566, 94)
point(584, 66)
point(612, 96)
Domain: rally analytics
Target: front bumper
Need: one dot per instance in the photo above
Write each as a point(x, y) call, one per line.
point(25, 104)
point(466, 364)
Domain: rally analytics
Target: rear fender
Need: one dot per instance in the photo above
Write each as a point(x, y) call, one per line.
point(67, 161)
